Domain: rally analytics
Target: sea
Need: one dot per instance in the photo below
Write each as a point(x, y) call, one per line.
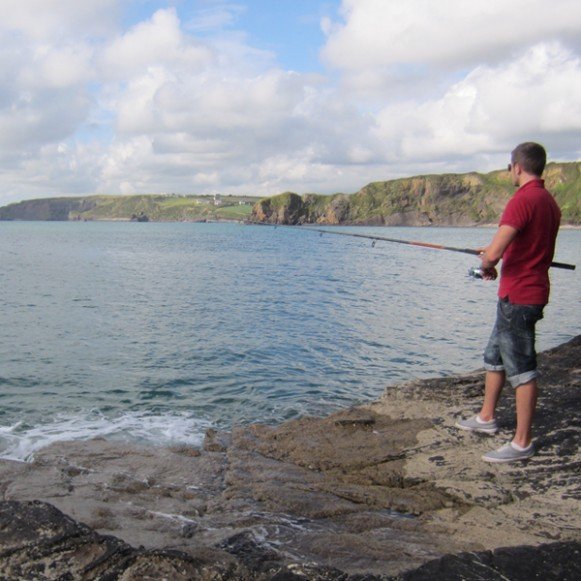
point(152, 333)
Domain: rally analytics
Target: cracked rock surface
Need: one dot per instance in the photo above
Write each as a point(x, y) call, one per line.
point(383, 491)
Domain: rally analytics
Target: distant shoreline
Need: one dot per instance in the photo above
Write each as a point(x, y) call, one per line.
point(246, 223)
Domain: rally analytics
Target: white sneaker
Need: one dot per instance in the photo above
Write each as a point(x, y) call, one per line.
point(508, 453)
point(475, 424)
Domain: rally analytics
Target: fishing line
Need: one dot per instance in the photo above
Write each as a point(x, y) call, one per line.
point(474, 271)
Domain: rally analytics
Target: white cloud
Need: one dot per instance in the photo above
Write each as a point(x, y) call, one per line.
point(156, 42)
point(391, 50)
point(391, 35)
point(215, 17)
point(212, 123)
point(414, 87)
point(59, 67)
point(45, 69)
point(535, 96)
point(50, 20)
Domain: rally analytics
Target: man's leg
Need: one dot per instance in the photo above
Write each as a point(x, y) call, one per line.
point(521, 446)
point(484, 421)
point(516, 341)
point(526, 401)
point(493, 384)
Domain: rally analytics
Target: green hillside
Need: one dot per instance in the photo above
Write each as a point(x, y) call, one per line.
point(447, 199)
point(158, 208)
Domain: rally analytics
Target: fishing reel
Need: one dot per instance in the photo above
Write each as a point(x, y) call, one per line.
point(481, 273)
point(475, 272)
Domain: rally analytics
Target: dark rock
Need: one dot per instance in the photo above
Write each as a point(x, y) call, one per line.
point(141, 217)
point(37, 541)
point(256, 556)
point(550, 562)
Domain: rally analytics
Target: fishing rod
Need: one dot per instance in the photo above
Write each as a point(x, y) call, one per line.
point(472, 251)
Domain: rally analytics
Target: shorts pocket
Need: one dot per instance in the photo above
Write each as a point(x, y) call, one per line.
point(524, 317)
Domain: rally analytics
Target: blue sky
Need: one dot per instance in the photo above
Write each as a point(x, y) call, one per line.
point(260, 97)
point(291, 30)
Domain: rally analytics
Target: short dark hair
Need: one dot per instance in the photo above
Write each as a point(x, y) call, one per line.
point(531, 156)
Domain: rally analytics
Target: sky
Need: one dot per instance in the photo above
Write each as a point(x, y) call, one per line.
point(260, 97)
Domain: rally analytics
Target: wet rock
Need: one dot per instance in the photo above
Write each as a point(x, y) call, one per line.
point(256, 556)
point(37, 541)
point(216, 441)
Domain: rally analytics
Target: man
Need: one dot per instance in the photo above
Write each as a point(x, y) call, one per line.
point(525, 240)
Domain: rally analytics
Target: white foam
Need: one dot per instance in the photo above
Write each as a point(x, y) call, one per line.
point(20, 442)
point(174, 517)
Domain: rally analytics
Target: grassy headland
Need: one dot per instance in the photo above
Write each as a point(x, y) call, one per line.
point(447, 200)
point(155, 208)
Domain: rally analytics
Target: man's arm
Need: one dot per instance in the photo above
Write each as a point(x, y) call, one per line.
point(494, 251)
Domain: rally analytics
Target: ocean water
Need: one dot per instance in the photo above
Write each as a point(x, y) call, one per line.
point(154, 332)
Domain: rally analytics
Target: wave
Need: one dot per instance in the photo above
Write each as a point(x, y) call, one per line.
point(20, 441)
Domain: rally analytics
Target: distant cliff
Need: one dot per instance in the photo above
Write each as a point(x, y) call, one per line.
point(47, 209)
point(137, 208)
point(448, 199)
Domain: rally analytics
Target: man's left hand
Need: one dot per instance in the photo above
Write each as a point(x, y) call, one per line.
point(489, 273)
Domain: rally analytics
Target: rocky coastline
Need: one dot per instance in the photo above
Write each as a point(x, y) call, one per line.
point(389, 490)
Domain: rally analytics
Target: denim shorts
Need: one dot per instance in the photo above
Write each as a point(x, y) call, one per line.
point(511, 347)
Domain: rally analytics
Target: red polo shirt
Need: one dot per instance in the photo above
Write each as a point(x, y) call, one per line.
point(524, 277)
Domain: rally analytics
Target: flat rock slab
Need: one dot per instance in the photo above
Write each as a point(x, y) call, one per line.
point(386, 490)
